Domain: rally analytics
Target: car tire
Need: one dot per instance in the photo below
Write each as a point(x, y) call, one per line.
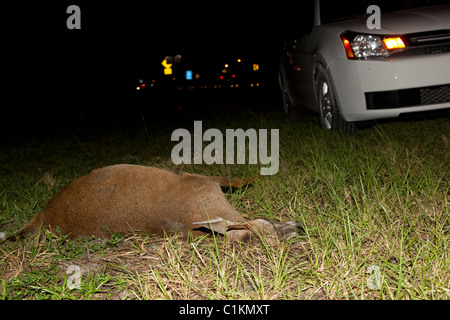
point(329, 114)
point(288, 107)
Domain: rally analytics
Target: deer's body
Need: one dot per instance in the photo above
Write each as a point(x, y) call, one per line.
point(131, 198)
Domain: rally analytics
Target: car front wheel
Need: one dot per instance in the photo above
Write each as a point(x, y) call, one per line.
point(330, 117)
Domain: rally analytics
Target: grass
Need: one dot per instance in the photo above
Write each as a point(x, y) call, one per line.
point(378, 200)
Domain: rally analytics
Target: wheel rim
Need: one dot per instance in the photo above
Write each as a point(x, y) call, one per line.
point(325, 104)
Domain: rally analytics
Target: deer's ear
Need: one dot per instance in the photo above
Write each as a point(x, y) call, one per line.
point(218, 225)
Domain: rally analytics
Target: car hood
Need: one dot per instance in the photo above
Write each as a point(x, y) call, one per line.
point(402, 22)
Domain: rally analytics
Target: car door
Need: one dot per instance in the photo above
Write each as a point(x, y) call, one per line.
point(301, 68)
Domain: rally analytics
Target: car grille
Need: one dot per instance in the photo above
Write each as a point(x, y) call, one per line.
point(423, 50)
point(408, 97)
point(435, 95)
point(432, 37)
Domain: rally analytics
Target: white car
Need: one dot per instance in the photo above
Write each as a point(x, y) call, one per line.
point(357, 65)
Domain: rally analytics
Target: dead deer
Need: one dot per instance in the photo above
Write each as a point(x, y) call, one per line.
point(131, 198)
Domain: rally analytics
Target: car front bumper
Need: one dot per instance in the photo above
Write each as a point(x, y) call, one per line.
point(388, 87)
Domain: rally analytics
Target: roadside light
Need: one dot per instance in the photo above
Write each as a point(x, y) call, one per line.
point(167, 67)
point(394, 43)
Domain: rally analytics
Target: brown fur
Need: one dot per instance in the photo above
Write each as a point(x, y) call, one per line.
point(131, 198)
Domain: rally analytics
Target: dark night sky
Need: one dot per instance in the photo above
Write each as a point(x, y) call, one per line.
point(120, 31)
point(51, 66)
point(126, 33)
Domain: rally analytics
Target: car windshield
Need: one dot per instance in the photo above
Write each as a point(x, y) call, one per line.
point(350, 8)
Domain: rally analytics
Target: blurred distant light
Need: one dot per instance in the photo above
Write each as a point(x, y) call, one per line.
point(168, 60)
point(239, 60)
point(221, 77)
point(141, 81)
point(197, 76)
point(143, 85)
point(177, 58)
point(167, 67)
point(226, 65)
point(255, 67)
point(233, 76)
point(224, 70)
point(138, 88)
point(188, 74)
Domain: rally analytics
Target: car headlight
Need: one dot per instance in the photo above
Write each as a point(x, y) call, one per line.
point(364, 46)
